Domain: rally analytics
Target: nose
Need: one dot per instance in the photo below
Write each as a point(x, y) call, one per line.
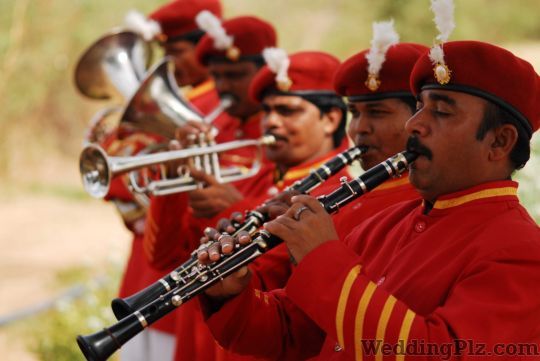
point(418, 124)
point(271, 120)
point(360, 126)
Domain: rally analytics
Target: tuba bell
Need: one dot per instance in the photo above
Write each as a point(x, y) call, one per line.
point(113, 66)
point(157, 106)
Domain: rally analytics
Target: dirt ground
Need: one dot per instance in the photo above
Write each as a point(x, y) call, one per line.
point(42, 235)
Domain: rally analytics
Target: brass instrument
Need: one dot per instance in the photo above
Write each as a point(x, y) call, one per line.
point(97, 168)
point(157, 106)
point(113, 66)
point(101, 345)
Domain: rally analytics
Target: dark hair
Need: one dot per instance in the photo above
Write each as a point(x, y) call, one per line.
point(495, 116)
point(325, 103)
point(256, 59)
point(192, 37)
point(410, 101)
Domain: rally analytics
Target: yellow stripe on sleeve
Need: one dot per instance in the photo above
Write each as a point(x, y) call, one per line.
point(342, 303)
point(405, 330)
point(383, 322)
point(359, 319)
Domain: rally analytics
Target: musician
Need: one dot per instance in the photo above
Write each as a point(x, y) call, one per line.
point(179, 37)
point(457, 268)
point(232, 77)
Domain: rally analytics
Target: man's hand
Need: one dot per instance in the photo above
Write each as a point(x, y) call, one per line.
point(231, 285)
point(210, 251)
point(278, 205)
point(224, 225)
point(214, 198)
point(189, 133)
point(221, 243)
point(303, 227)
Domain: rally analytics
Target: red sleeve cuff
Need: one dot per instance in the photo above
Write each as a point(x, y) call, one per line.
point(228, 319)
point(326, 264)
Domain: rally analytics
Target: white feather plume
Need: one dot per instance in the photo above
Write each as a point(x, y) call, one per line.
point(278, 61)
point(384, 36)
point(137, 22)
point(444, 18)
point(436, 54)
point(211, 25)
point(444, 21)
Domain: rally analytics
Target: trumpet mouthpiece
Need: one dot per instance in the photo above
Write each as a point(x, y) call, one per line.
point(268, 139)
point(226, 101)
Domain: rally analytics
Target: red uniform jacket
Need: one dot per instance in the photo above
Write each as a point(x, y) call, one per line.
point(387, 194)
point(204, 96)
point(464, 274)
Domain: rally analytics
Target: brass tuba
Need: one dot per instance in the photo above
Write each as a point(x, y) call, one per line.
point(113, 66)
point(157, 106)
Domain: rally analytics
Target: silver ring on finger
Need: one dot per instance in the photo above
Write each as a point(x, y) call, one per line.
point(224, 234)
point(298, 212)
point(203, 247)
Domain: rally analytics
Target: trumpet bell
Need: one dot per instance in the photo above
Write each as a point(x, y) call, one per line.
point(157, 106)
point(113, 66)
point(96, 172)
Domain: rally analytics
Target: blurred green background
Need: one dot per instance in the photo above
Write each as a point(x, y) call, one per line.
point(43, 118)
point(42, 114)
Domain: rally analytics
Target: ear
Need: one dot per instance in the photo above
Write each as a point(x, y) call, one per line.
point(503, 141)
point(332, 118)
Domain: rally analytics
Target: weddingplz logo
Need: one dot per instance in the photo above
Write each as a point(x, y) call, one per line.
point(446, 351)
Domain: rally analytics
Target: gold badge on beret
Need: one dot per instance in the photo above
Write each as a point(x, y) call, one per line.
point(372, 82)
point(233, 53)
point(161, 38)
point(442, 73)
point(284, 85)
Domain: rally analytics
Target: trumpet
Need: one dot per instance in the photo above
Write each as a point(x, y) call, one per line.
point(123, 307)
point(97, 168)
point(100, 345)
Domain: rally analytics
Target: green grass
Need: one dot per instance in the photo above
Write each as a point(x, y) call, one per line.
point(51, 336)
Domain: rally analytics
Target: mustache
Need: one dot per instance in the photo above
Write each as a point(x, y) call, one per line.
point(414, 145)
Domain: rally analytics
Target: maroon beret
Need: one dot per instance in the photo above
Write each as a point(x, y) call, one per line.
point(352, 76)
point(177, 18)
point(309, 71)
point(250, 36)
point(489, 72)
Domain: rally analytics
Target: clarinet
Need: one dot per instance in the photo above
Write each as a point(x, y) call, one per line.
point(100, 345)
point(123, 307)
